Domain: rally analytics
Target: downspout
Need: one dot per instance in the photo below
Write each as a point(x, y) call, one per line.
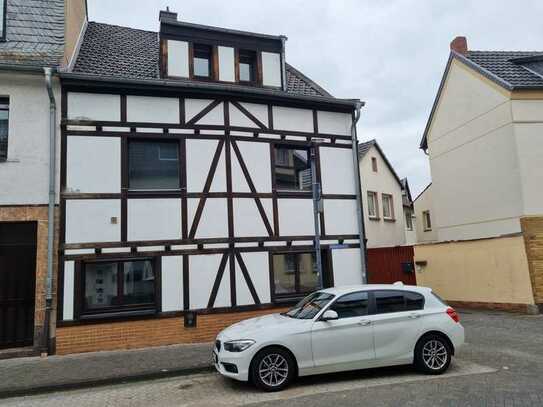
point(51, 208)
point(358, 189)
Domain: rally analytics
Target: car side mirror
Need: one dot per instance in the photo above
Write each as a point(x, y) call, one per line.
point(329, 315)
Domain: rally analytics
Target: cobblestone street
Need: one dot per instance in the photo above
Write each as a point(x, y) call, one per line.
point(501, 365)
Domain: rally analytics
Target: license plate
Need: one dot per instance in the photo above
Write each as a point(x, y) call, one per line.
point(215, 358)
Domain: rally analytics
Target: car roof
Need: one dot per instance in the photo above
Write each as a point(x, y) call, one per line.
point(372, 287)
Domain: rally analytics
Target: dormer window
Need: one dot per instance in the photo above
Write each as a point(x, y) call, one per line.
point(247, 66)
point(202, 61)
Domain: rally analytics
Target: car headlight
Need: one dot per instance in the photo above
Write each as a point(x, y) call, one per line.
point(238, 346)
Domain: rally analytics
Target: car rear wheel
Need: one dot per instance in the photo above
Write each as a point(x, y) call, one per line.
point(433, 354)
point(272, 369)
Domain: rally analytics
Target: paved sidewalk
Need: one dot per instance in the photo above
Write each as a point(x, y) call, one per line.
point(36, 375)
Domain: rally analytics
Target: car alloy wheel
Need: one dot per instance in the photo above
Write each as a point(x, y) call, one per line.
point(434, 354)
point(273, 370)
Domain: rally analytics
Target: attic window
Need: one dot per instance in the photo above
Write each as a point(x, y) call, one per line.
point(247, 66)
point(374, 164)
point(202, 60)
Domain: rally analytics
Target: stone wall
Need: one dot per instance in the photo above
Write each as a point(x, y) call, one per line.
point(532, 229)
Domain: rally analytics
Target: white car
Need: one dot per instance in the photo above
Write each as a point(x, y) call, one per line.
point(339, 329)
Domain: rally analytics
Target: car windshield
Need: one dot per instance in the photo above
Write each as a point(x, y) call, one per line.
point(309, 306)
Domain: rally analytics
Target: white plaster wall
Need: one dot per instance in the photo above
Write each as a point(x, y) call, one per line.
point(226, 64)
point(381, 233)
point(199, 157)
point(527, 110)
point(347, 267)
point(340, 217)
point(337, 172)
point(172, 283)
point(475, 171)
point(195, 106)
point(68, 292)
point(334, 123)
point(94, 106)
point(149, 109)
point(271, 69)
point(247, 219)
point(214, 219)
point(89, 220)
point(290, 118)
point(93, 164)
point(154, 219)
point(295, 217)
point(424, 203)
point(237, 118)
point(529, 140)
point(256, 157)
point(257, 264)
point(178, 58)
point(24, 178)
point(203, 271)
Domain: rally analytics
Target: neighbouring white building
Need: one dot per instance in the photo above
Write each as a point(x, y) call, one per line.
point(188, 157)
point(485, 203)
point(386, 198)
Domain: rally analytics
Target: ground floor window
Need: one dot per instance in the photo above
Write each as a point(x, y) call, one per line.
point(295, 273)
point(118, 286)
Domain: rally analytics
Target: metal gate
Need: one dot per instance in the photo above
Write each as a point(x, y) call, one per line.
point(17, 283)
point(387, 265)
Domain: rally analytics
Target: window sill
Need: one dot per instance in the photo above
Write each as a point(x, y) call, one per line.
point(427, 230)
point(377, 218)
point(389, 219)
point(117, 314)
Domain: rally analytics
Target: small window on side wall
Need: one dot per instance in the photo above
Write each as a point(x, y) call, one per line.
point(4, 128)
point(202, 60)
point(427, 221)
point(374, 164)
point(373, 207)
point(292, 169)
point(247, 66)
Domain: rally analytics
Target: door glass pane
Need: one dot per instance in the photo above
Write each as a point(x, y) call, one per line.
point(389, 301)
point(101, 285)
point(153, 165)
point(139, 282)
point(284, 267)
point(352, 305)
point(292, 169)
point(413, 301)
point(307, 266)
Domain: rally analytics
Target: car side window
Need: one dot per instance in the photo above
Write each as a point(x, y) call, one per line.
point(352, 305)
point(389, 301)
point(413, 301)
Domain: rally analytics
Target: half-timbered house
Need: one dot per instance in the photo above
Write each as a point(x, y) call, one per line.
point(203, 181)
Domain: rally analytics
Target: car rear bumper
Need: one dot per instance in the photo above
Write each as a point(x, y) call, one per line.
point(457, 336)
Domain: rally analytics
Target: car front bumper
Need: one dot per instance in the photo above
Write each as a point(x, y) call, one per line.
point(242, 361)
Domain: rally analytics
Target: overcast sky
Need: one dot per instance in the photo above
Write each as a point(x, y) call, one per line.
point(389, 54)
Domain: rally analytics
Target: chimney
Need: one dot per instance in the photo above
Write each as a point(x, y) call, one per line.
point(460, 45)
point(167, 15)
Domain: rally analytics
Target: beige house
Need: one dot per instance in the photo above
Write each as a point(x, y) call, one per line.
point(386, 200)
point(425, 231)
point(484, 143)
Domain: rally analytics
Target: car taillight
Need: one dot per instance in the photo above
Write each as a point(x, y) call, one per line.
point(453, 314)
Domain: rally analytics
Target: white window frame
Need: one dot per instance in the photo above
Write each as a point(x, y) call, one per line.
point(426, 221)
point(390, 206)
point(373, 196)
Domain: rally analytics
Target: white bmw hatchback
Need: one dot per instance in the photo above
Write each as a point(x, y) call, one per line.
point(339, 329)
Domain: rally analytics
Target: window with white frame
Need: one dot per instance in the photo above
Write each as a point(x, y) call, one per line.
point(373, 207)
point(408, 219)
point(427, 221)
point(388, 209)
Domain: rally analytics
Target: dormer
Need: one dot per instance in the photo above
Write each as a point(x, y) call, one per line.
point(204, 53)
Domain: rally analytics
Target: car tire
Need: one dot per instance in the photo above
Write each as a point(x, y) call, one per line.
point(433, 354)
point(273, 369)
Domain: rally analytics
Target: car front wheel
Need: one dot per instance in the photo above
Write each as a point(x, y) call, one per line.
point(272, 369)
point(432, 354)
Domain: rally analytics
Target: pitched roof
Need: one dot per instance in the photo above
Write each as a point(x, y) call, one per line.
point(128, 53)
point(513, 70)
point(363, 149)
point(34, 33)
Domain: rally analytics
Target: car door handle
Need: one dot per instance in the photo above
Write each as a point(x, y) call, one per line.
point(364, 322)
point(414, 316)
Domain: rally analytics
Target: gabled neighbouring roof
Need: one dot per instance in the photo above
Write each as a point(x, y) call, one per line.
point(363, 149)
point(34, 33)
point(128, 53)
point(407, 199)
point(513, 70)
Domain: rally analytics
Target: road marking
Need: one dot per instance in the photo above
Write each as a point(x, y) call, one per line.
point(213, 390)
